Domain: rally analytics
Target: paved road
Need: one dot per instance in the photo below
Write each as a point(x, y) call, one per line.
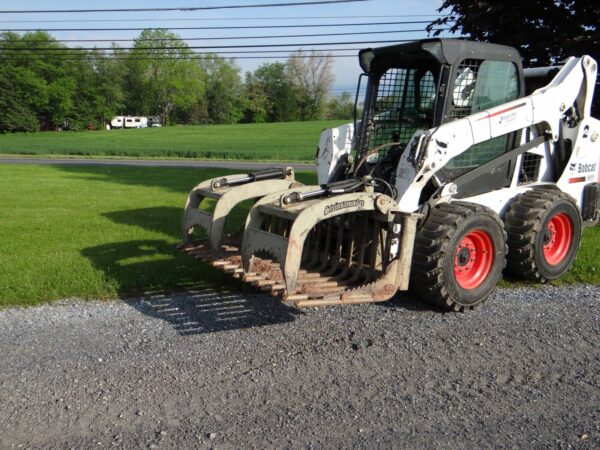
point(213, 370)
point(249, 165)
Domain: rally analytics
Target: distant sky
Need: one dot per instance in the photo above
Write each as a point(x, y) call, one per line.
point(346, 70)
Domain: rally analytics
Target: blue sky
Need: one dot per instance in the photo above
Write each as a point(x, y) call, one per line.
point(345, 69)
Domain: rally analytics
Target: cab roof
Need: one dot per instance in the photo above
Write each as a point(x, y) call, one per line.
point(444, 51)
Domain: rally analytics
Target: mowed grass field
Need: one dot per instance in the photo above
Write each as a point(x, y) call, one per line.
point(293, 141)
point(110, 232)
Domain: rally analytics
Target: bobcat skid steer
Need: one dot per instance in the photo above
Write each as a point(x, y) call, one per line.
point(462, 164)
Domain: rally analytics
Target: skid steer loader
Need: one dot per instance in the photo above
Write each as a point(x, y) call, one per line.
point(462, 164)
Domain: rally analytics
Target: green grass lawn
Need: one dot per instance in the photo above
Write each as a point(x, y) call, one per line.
point(293, 141)
point(96, 232)
point(109, 232)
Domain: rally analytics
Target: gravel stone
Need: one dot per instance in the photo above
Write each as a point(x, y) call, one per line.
point(245, 371)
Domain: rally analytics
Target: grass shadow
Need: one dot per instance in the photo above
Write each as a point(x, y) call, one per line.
point(147, 267)
point(161, 219)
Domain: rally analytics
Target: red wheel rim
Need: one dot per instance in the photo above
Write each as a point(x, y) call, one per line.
point(557, 238)
point(473, 259)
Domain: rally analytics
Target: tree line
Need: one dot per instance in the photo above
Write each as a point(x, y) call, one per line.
point(44, 85)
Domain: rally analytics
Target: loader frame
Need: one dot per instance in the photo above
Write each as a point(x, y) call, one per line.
point(351, 238)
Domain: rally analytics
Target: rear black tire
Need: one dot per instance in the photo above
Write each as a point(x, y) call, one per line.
point(529, 223)
point(436, 274)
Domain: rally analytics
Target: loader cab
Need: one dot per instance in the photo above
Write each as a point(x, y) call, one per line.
point(424, 84)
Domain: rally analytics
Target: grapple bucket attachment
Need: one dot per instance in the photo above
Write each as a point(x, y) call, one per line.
point(227, 192)
point(310, 248)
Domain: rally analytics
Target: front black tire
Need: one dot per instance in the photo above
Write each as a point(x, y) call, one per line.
point(459, 255)
point(544, 233)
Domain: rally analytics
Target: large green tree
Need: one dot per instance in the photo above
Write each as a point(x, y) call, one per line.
point(35, 79)
point(110, 71)
point(46, 81)
point(18, 99)
point(544, 31)
point(255, 100)
point(278, 89)
point(224, 100)
point(270, 94)
point(162, 76)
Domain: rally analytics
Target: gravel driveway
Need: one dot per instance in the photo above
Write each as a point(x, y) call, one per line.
point(243, 371)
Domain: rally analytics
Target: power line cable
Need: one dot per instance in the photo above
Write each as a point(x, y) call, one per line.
point(201, 47)
point(209, 19)
point(209, 52)
point(180, 8)
point(239, 27)
point(220, 38)
point(190, 58)
point(207, 47)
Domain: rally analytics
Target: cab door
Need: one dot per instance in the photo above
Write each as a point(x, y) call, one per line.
point(479, 85)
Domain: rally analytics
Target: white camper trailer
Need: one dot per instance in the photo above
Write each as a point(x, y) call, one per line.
point(129, 122)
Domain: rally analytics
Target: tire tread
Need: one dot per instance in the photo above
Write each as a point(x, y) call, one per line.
point(427, 273)
point(523, 221)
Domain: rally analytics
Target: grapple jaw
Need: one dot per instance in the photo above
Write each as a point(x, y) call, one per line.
point(349, 248)
point(227, 192)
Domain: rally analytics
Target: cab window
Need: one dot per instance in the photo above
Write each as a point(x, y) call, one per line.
point(481, 85)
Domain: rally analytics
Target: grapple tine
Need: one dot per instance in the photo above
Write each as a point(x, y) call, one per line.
point(306, 250)
point(349, 250)
point(252, 278)
point(325, 252)
point(200, 252)
point(359, 235)
point(316, 247)
point(374, 250)
point(336, 259)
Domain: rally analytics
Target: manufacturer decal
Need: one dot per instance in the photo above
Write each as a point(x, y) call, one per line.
point(585, 172)
point(343, 205)
point(586, 168)
point(507, 118)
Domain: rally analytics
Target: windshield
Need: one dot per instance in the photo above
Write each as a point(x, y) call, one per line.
point(404, 103)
